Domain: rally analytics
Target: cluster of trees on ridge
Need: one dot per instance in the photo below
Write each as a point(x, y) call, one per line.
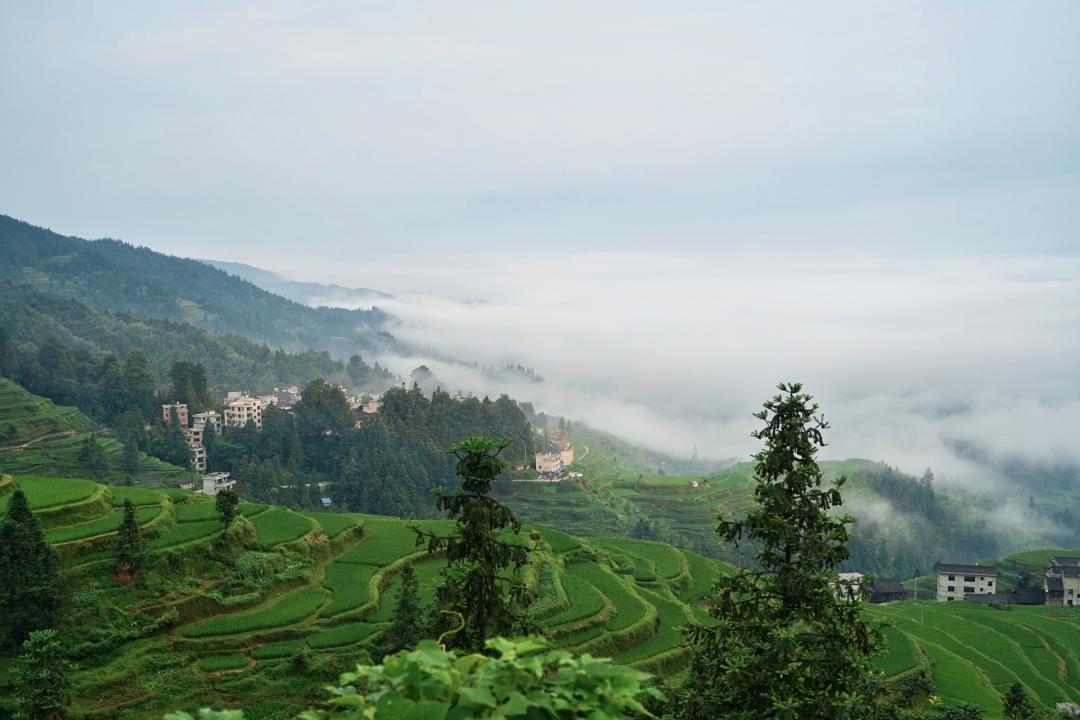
point(389, 465)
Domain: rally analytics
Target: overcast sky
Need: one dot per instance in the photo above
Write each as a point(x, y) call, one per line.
point(372, 129)
point(663, 207)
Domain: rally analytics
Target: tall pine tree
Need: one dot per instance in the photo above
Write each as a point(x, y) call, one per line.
point(44, 686)
point(129, 543)
point(472, 585)
point(30, 592)
point(407, 628)
point(783, 645)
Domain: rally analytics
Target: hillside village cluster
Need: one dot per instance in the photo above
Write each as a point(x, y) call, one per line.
point(552, 463)
point(239, 409)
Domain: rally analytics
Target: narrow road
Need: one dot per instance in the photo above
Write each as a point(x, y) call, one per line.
point(28, 443)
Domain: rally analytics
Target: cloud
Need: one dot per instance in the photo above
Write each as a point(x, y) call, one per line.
point(908, 359)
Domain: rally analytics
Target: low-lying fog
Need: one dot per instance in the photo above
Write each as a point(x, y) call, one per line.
point(909, 358)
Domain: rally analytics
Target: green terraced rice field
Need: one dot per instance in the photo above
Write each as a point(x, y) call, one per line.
point(101, 526)
point(672, 618)
point(50, 492)
point(276, 650)
point(185, 533)
point(428, 575)
point(217, 663)
point(137, 495)
point(333, 523)
point(350, 583)
point(287, 610)
point(585, 601)
point(628, 607)
point(343, 635)
point(277, 526)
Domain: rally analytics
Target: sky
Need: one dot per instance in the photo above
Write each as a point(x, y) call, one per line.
point(663, 208)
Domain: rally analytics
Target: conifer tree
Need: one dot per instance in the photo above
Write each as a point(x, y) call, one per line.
point(472, 586)
point(30, 592)
point(92, 458)
point(129, 459)
point(129, 543)
point(1017, 706)
point(783, 646)
point(43, 678)
point(226, 505)
point(407, 628)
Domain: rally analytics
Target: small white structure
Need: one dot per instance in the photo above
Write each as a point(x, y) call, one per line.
point(216, 482)
point(849, 586)
point(956, 581)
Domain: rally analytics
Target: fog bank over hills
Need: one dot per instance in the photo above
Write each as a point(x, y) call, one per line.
point(961, 363)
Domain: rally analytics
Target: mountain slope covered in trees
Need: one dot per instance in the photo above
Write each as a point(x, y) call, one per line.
point(121, 277)
point(57, 346)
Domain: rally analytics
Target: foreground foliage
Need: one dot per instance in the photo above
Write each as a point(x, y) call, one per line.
point(523, 679)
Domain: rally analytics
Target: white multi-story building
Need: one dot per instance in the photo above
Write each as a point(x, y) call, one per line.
point(216, 482)
point(956, 581)
point(198, 457)
point(210, 417)
point(242, 410)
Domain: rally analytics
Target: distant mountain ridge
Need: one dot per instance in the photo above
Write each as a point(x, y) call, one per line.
point(125, 278)
point(311, 294)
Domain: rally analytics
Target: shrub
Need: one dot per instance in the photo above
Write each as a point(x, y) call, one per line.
point(524, 679)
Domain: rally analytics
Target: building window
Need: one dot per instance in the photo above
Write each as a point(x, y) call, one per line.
point(969, 588)
point(951, 588)
point(949, 599)
point(969, 578)
point(952, 578)
point(989, 583)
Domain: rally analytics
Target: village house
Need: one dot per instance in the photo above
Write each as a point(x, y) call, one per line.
point(549, 462)
point(210, 417)
point(198, 457)
point(883, 590)
point(181, 413)
point(1062, 583)
point(954, 582)
point(241, 410)
point(216, 482)
point(371, 406)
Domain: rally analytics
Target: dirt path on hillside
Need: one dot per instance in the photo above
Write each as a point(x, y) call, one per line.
point(28, 443)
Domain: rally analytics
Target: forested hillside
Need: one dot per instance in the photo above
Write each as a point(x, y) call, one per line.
point(125, 278)
point(61, 347)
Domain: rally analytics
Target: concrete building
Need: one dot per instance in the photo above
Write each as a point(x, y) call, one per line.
point(956, 581)
point(198, 457)
point(216, 482)
point(210, 417)
point(181, 413)
point(1062, 583)
point(195, 434)
point(549, 462)
point(241, 410)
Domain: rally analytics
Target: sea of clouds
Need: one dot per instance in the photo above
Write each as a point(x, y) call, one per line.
point(910, 358)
